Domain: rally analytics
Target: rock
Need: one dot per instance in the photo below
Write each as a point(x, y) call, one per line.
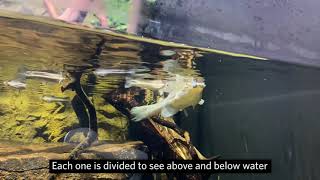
point(31, 161)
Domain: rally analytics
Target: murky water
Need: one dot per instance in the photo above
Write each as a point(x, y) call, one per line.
point(250, 108)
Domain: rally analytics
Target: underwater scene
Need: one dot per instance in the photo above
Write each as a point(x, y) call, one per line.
point(72, 92)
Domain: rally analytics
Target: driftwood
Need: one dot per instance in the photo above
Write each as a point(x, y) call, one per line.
point(164, 138)
point(31, 161)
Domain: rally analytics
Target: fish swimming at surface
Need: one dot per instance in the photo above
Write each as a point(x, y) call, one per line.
point(44, 75)
point(55, 99)
point(16, 84)
point(19, 82)
point(104, 72)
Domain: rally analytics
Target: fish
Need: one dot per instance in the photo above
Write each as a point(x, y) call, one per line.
point(103, 72)
point(44, 75)
point(183, 93)
point(143, 83)
point(55, 99)
point(173, 67)
point(167, 52)
point(16, 84)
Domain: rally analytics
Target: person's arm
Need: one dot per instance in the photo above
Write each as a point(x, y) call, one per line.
point(134, 16)
point(51, 9)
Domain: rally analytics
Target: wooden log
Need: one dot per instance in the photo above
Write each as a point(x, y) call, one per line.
point(163, 142)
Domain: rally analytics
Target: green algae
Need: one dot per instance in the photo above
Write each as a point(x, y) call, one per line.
point(25, 117)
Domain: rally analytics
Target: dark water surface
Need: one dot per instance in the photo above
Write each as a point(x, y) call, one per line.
point(253, 109)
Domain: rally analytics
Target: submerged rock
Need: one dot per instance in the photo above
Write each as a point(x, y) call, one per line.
point(31, 161)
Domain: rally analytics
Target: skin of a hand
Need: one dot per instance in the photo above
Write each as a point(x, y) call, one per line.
point(134, 16)
point(73, 8)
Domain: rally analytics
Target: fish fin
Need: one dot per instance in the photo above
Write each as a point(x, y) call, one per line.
point(168, 111)
point(22, 69)
point(201, 102)
point(161, 92)
point(143, 112)
point(61, 80)
point(21, 74)
point(185, 112)
point(128, 83)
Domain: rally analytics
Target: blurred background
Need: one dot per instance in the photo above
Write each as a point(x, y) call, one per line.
point(278, 29)
point(117, 10)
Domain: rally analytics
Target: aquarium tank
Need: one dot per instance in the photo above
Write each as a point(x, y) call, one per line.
point(108, 82)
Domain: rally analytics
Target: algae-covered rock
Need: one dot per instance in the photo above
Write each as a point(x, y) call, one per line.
point(27, 118)
point(110, 120)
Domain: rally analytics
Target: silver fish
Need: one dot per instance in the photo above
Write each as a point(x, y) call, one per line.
point(44, 75)
point(104, 72)
point(16, 84)
point(55, 99)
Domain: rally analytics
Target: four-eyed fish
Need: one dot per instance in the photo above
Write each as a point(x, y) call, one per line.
point(44, 75)
point(104, 72)
point(19, 82)
point(16, 84)
point(55, 99)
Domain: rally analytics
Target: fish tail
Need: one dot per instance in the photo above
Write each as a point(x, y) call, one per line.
point(22, 69)
point(62, 78)
point(128, 83)
point(22, 73)
point(143, 112)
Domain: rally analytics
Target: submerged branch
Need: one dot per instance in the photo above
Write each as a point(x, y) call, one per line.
point(75, 85)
